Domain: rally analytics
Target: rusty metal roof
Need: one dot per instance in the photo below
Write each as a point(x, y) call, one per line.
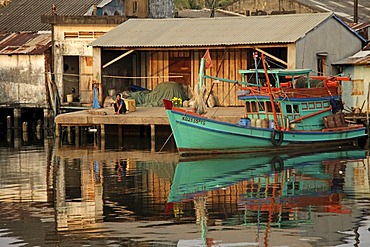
point(185, 32)
point(25, 15)
point(360, 58)
point(24, 43)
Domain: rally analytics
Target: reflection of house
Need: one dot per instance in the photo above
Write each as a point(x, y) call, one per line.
point(152, 51)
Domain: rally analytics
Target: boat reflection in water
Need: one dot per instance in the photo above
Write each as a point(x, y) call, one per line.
point(259, 192)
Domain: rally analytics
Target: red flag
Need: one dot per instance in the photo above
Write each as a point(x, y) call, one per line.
point(207, 60)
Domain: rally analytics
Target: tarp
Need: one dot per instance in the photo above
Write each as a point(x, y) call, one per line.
point(165, 90)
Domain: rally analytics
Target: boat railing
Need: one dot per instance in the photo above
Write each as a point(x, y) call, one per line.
point(222, 79)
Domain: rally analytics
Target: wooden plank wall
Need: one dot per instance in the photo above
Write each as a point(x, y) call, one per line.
point(86, 73)
point(158, 68)
point(226, 64)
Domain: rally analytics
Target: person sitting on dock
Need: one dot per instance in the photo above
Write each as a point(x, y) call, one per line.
point(119, 105)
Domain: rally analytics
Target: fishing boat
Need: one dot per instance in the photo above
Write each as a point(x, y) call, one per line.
point(295, 110)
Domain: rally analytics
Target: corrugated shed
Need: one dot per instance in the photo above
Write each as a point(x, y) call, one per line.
point(360, 58)
point(225, 31)
point(24, 43)
point(25, 15)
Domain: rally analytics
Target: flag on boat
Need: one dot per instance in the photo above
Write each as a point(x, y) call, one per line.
point(207, 60)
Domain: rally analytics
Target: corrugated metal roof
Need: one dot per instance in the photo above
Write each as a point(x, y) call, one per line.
point(24, 43)
point(211, 31)
point(342, 8)
point(360, 58)
point(25, 15)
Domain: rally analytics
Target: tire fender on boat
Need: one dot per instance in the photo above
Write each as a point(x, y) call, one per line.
point(277, 164)
point(274, 141)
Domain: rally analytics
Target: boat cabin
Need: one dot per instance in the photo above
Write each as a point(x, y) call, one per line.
point(300, 102)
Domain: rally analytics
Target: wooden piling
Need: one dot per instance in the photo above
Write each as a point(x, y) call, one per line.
point(77, 135)
point(17, 118)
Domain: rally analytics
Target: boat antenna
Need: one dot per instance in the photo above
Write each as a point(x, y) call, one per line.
point(270, 92)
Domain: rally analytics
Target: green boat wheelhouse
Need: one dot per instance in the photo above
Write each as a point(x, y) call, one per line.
point(300, 101)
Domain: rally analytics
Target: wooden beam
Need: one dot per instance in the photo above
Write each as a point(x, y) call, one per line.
point(271, 56)
point(117, 58)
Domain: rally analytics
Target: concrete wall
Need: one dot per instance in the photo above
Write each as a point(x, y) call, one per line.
point(115, 7)
point(77, 46)
point(23, 81)
point(151, 8)
point(136, 8)
point(331, 37)
point(255, 7)
point(161, 9)
point(354, 93)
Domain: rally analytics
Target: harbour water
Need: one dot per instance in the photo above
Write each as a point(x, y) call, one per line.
point(131, 196)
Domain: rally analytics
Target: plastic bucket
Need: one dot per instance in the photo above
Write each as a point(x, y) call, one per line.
point(69, 98)
point(244, 122)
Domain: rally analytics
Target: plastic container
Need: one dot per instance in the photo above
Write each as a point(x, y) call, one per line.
point(253, 122)
point(69, 98)
point(265, 123)
point(246, 122)
point(259, 123)
point(130, 104)
point(271, 124)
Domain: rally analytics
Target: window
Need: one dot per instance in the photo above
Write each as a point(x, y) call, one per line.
point(134, 7)
point(269, 106)
point(296, 108)
point(289, 109)
point(261, 106)
point(254, 107)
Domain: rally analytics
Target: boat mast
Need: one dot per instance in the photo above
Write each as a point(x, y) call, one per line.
point(255, 55)
point(201, 75)
point(270, 92)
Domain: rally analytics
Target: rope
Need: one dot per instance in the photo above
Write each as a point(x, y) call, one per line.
point(224, 99)
point(160, 150)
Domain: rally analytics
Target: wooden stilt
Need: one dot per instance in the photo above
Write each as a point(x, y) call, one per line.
point(57, 130)
point(77, 136)
point(69, 135)
point(152, 138)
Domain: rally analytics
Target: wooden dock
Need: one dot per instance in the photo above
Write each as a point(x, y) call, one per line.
point(142, 116)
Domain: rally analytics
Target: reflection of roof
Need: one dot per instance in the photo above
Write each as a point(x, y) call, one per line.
point(22, 15)
point(24, 43)
point(360, 58)
point(182, 32)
